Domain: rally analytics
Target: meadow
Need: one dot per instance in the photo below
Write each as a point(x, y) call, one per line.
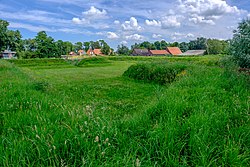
point(86, 113)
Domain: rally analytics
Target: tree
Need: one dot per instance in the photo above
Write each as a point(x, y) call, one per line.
point(198, 44)
point(105, 49)
point(123, 50)
point(240, 44)
point(45, 46)
point(3, 34)
point(184, 46)
point(86, 46)
point(78, 46)
point(215, 46)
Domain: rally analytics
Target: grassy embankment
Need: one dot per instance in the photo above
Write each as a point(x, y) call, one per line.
point(56, 113)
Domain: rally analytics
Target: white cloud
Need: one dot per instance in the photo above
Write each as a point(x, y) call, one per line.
point(124, 42)
point(80, 21)
point(131, 25)
point(248, 16)
point(170, 22)
point(112, 35)
point(153, 23)
point(95, 13)
point(156, 36)
point(116, 22)
point(177, 36)
point(206, 11)
point(135, 37)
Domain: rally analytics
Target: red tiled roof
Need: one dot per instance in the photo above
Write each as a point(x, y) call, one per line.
point(97, 52)
point(159, 52)
point(174, 50)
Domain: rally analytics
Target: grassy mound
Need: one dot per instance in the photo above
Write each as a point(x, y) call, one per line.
point(37, 62)
point(92, 61)
point(159, 72)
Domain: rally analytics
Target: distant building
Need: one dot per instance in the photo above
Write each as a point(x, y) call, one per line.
point(81, 52)
point(174, 50)
point(194, 53)
point(95, 52)
point(7, 54)
point(159, 52)
point(72, 53)
point(141, 52)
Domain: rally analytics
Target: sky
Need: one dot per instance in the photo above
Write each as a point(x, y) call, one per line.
point(125, 21)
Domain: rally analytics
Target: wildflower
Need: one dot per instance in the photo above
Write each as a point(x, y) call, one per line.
point(106, 141)
point(137, 163)
point(96, 139)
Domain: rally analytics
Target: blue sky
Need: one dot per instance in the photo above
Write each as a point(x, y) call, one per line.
point(125, 21)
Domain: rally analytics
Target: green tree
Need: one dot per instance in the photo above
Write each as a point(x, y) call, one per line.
point(86, 46)
point(45, 46)
point(105, 49)
point(184, 46)
point(198, 44)
point(215, 46)
point(123, 50)
point(78, 46)
point(3, 34)
point(240, 44)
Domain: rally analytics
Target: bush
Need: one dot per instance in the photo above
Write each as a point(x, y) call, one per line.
point(161, 73)
point(240, 45)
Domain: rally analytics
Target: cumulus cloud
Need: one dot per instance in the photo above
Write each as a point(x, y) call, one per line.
point(79, 21)
point(206, 11)
point(153, 23)
point(124, 42)
point(170, 22)
point(116, 22)
point(135, 37)
point(131, 25)
point(112, 35)
point(95, 13)
point(156, 36)
point(180, 36)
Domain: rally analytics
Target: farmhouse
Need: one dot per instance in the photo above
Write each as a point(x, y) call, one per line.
point(72, 53)
point(159, 52)
point(174, 50)
point(81, 52)
point(94, 52)
point(194, 53)
point(141, 52)
point(7, 54)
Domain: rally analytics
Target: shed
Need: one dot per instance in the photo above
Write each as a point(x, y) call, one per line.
point(7, 54)
point(141, 52)
point(159, 52)
point(194, 53)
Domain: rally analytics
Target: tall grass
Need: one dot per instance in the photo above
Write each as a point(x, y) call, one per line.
point(201, 119)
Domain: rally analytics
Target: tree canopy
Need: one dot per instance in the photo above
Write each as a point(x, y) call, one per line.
point(240, 44)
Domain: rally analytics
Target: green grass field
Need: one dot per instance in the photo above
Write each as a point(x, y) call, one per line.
point(57, 113)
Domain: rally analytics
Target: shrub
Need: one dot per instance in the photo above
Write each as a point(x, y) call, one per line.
point(240, 45)
point(159, 72)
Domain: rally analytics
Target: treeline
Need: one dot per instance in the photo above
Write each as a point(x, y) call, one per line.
point(212, 46)
point(43, 46)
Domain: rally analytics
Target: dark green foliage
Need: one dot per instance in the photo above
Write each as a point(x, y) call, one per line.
point(215, 46)
point(161, 72)
point(123, 50)
point(240, 44)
